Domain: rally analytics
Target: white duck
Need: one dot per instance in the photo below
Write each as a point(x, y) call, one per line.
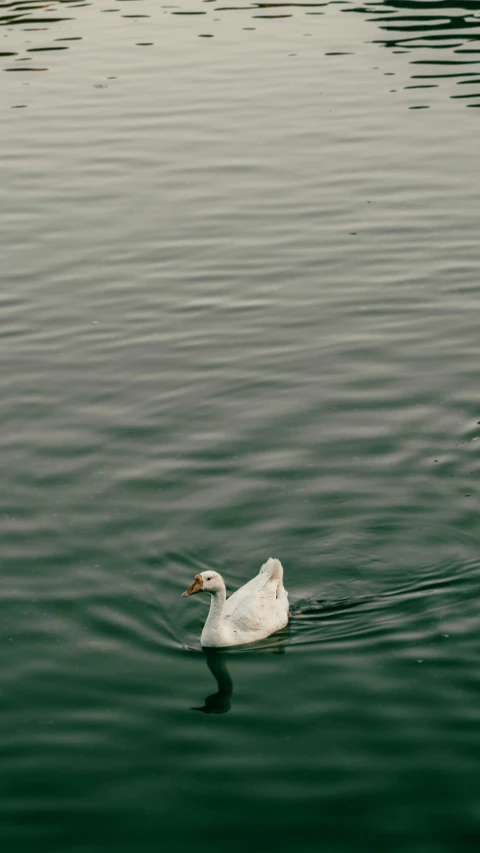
point(252, 613)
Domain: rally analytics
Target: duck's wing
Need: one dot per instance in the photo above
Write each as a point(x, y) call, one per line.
point(270, 571)
point(253, 604)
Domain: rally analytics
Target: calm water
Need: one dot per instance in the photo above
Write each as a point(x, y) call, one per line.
point(239, 317)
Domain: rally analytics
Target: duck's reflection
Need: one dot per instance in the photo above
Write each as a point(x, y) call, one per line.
point(219, 702)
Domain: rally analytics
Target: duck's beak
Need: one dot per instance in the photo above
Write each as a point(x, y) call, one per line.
point(196, 586)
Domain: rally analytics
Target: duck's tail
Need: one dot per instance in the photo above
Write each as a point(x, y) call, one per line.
point(274, 569)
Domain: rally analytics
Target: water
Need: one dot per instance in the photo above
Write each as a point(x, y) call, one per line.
point(239, 318)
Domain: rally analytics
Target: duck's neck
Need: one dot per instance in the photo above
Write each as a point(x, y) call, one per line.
point(213, 631)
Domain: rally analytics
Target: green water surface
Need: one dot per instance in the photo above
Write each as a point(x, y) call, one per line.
point(239, 318)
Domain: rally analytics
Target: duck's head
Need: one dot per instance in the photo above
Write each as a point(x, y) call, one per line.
point(205, 582)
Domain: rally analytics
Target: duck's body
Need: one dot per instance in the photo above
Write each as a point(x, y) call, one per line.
point(253, 612)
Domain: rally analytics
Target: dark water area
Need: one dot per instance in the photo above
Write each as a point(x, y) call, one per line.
point(239, 318)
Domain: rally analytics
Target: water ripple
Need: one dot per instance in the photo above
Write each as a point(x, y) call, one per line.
point(431, 42)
